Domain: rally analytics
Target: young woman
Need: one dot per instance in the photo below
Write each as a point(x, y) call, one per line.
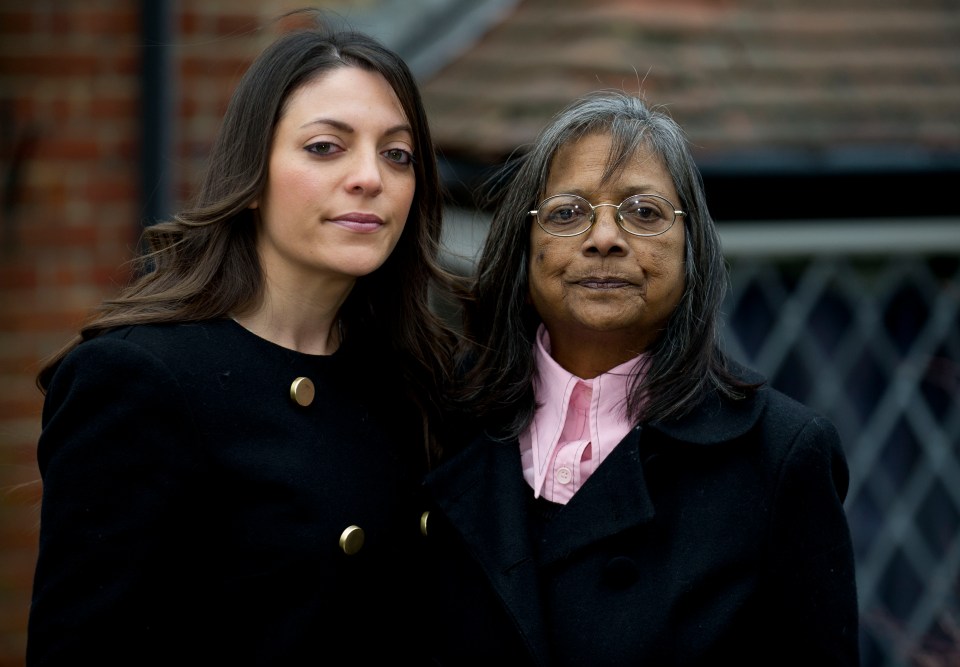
point(232, 448)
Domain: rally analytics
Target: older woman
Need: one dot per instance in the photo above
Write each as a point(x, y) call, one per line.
point(629, 495)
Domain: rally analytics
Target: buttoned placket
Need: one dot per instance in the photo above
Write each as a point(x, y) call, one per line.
point(574, 443)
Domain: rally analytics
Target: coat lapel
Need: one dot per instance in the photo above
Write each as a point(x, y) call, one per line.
point(483, 494)
point(613, 499)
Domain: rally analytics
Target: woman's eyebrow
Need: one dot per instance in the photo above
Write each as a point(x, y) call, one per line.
point(346, 127)
point(339, 124)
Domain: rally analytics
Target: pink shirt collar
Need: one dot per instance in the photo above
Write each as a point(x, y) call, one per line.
point(605, 427)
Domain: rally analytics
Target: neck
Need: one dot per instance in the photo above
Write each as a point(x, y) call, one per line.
point(297, 321)
point(592, 356)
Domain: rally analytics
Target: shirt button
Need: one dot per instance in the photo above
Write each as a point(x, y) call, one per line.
point(564, 475)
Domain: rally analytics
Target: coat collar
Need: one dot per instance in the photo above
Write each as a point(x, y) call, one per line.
point(483, 494)
point(487, 476)
point(717, 419)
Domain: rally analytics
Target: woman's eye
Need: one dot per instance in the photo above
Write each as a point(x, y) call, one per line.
point(398, 155)
point(323, 148)
point(643, 209)
point(563, 215)
point(644, 213)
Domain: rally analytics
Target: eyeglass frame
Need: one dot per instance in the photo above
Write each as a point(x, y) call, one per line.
point(618, 218)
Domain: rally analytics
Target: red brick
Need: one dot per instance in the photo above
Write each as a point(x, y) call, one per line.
point(115, 107)
point(107, 23)
point(17, 276)
point(216, 68)
point(16, 408)
point(55, 66)
point(236, 24)
point(64, 236)
point(106, 190)
point(70, 149)
point(17, 22)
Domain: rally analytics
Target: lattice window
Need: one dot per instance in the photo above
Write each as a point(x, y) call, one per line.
point(874, 344)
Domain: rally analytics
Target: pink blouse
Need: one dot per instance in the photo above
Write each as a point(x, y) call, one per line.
point(577, 423)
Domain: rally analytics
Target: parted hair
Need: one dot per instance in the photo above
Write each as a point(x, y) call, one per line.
point(203, 263)
point(686, 361)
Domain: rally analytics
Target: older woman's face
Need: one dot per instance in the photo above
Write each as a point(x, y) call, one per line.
point(605, 295)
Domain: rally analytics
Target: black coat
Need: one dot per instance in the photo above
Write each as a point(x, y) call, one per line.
point(717, 539)
point(192, 511)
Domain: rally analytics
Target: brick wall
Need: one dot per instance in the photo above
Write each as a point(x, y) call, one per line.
point(70, 201)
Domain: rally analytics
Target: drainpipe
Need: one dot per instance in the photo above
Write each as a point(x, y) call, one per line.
point(157, 111)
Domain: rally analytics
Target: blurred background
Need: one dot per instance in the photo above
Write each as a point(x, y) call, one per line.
point(827, 131)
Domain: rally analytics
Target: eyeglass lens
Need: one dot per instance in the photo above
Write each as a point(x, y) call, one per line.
point(567, 215)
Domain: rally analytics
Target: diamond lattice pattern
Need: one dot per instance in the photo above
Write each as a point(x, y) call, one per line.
point(874, 344)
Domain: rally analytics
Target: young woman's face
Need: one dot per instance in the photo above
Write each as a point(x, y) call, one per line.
point(606, 287)
point(340, 181)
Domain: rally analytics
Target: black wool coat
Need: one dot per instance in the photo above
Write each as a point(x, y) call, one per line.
point(716, 539)
point(192, 511)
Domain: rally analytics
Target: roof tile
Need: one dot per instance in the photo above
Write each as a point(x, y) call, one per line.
point(740, 76)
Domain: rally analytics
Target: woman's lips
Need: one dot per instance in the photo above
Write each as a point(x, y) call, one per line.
point(358, 222)
point(603, 283)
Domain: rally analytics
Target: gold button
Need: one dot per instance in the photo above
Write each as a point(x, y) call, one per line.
point(351, 539)
point(302, 392)
point(423, 523)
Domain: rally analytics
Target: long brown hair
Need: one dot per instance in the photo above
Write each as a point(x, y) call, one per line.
point(203, 263)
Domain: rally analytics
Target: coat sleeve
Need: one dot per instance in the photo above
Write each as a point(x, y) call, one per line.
point(118, 458)
point(812, 573)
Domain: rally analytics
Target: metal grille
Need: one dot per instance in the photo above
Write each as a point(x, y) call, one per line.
point(872, 341)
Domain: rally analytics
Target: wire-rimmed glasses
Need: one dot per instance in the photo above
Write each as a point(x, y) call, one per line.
point(640, 215)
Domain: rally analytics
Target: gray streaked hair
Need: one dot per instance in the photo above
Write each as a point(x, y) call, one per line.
point(685, 363)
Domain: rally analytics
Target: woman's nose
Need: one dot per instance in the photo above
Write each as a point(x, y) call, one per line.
point(365, 175)
point(606, 235)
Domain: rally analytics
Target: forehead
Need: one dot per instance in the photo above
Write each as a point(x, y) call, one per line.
point(345, 89)
point(585, 163)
